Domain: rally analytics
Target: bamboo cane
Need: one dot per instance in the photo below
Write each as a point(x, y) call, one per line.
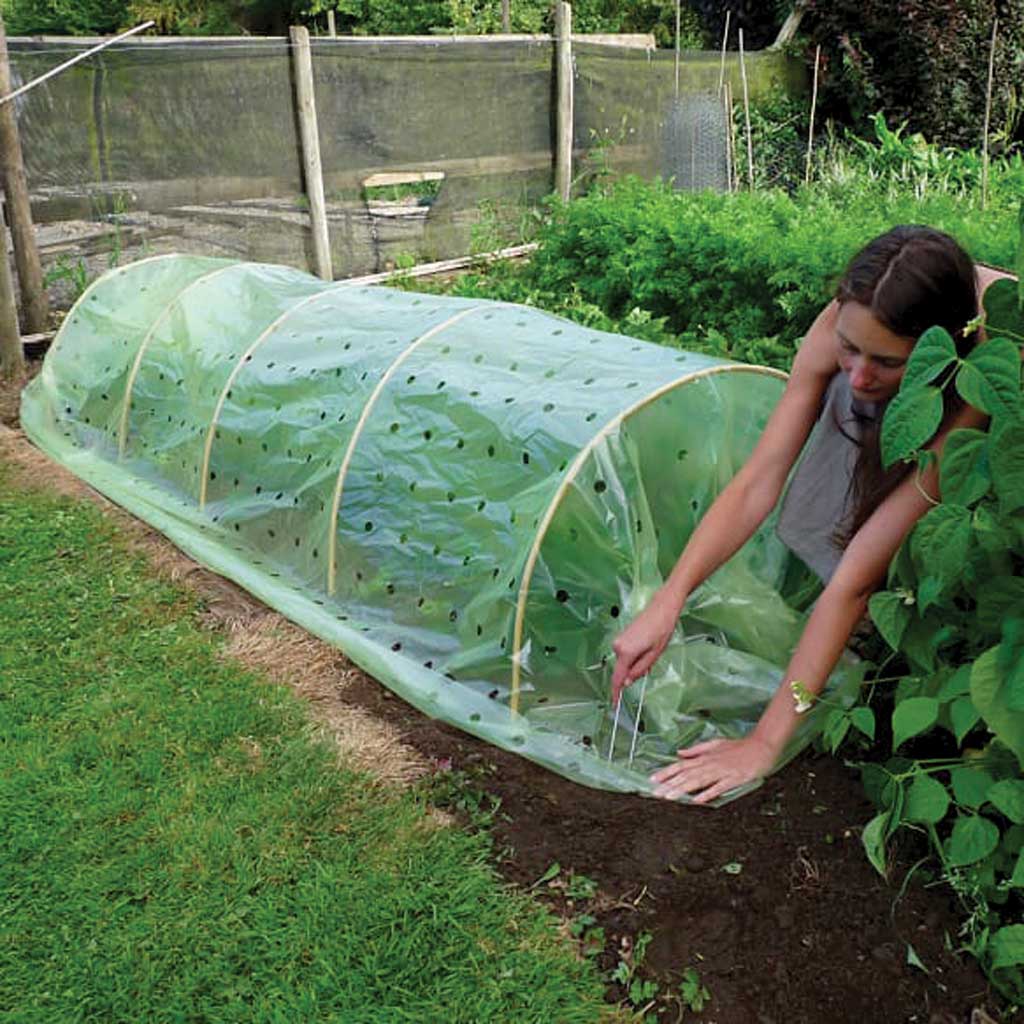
point(814, 103)
point(988, 114)
point(746, 114)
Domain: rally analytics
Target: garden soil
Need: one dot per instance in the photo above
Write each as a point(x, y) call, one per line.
point(769, 899)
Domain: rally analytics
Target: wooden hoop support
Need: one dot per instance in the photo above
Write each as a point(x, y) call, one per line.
point(332, 540)
point(122, 436)
point(230, 383)
point(563, 489)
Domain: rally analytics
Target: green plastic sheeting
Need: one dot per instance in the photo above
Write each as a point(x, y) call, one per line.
point(469, 498)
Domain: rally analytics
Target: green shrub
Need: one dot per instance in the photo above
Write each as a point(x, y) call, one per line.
point(954, 610)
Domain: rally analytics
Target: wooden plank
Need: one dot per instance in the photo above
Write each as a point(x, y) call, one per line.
point(401, 178)
point(35, 304)
point(564, 92)
point(447, 266)
point(305, 101)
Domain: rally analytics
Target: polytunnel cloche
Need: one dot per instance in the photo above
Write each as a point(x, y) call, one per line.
point(469, 498)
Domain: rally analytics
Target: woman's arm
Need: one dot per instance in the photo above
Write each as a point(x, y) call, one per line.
point(741, 507)
point(712, 768)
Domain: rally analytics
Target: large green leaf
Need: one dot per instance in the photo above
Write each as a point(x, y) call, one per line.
point(1007, 460)
point(1003, 316)
point(970, 785)
point(989, 698)
point(989, 379)
point(913, 716)
point(965, 476)
point(941, 542)
point(927, 800)
point(891, 614)
point(932, 353)
point(957, 684)
point(1017, 878)
point(1010, 660)
point(998, 600)
point(864, 720)
point(1006, 947)
point(973, 839)
point(964, 716)
point(875, 833)
point(1007, 795)
point(910, 421)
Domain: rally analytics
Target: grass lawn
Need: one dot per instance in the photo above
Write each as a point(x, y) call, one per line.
point(176, 846)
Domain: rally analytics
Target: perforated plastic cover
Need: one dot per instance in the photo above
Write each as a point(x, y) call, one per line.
point(469, 498)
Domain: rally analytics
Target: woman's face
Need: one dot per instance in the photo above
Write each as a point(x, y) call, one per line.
point(870, 354)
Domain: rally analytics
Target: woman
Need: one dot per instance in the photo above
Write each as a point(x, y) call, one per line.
point(843, 514)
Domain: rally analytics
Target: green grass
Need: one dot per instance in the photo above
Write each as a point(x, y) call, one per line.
point(177, 847)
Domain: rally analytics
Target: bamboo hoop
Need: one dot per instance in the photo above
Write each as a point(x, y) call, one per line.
point(91, 287)
point(730, 139)
point(988, 114)
point(570, 478)
point(332, 541)
point(245, 357)
point(122, 435)
point(814, 104)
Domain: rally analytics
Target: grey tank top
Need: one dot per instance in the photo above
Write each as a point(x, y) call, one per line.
point(818, 500)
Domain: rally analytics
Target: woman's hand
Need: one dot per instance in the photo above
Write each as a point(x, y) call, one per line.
point(640, 644)
point(710, 769)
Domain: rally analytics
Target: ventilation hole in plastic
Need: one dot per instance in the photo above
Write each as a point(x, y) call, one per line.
point(364, 374)
point(238, 440)
point(493, 694)
point(453, 615)
point(359, 576)
point(323, 415)
point(503, 644)
point(600, 486)
point(513, 367)
point(451, 496)
point(264, 446)
point(490, 450)
point(396, 646)
point(474, 717)
point(595, 341)
point(590, 417)
point(495, 573)
point(368, 527)
point(481, 505)
point(292, 369)
point(562, 596)
point(427, 435)
point(479, 630)
point(259, 488)
point(693, 504)
point(420, 601)
point(237, 527)
point(639, 526)
point(588, 382)
point(347, 346)
point(437, 550)
point(316, 553)
point(509, 400)
point(412, 486)
point(105, 398)
point(213, 475)
point(587, 741)
point(512, 516)
point(460, 444)
point(402, 538)
point(561, 468)
point(681, 454)
point(549, 649)
point(390, 588)
point(379, 476)
point(440, 385)
point(512, 583)
point(474, 394)
point(309, 458)
point(393, 428)
point(279, 496)
point(543, 700)
point(271, 532)
point(614, 611)
point(445, 349)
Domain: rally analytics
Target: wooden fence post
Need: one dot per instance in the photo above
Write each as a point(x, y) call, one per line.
point(12, 358)
point(35, 304)
point(302, 62)
point(506, 16)
point(564, 110)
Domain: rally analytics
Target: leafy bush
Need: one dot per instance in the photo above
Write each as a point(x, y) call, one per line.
point(954, 610)
point(920, 61)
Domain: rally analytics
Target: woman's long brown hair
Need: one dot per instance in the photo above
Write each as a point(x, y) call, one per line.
point(911, 278)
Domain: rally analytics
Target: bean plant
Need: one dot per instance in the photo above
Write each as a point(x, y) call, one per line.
point(954, 610)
